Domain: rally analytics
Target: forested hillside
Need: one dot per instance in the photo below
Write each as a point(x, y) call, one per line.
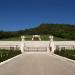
point(58, 30)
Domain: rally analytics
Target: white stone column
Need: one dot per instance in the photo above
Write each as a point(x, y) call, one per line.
point(48, 51)
point(39, 38)
point(51, 44)
point(33, 38)
point(22, 43)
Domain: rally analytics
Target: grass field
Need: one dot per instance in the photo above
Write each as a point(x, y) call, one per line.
point(29, 37)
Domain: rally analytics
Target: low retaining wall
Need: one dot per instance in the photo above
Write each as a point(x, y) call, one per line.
point(17, 44)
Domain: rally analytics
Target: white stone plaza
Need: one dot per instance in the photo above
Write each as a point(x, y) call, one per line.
point(37, 58)
point(38, 64)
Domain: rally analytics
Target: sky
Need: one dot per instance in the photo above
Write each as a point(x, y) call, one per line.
point(22, 14)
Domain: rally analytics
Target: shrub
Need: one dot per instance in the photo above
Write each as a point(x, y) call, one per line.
point(6, 54)
point(66, 53)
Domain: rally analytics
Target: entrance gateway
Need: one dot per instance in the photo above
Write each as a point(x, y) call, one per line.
point(37, 45)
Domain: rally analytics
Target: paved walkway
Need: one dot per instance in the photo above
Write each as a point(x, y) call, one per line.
point(38, 64)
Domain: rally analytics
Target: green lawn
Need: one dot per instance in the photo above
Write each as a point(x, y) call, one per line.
point(29, 37)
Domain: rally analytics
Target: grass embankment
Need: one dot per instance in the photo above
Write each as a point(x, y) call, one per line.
point(66, 53)
point(6, 54)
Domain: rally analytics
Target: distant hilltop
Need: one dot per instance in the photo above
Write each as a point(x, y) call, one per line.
point(58, 30)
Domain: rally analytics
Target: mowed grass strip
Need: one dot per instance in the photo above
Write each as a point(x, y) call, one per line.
point(29, 38)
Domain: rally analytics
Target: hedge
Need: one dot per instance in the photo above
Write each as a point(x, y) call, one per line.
point(6, 54)
point(66, 53)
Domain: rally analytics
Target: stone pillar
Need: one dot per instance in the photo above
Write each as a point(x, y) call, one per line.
point(51, 44)
point(22, 43)
point(39, 38)
point(48, 51)
point(32, 39)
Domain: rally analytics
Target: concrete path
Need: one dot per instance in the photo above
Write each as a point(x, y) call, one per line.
point(38, 64)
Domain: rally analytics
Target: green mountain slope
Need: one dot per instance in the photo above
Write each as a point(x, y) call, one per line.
point(65, 31)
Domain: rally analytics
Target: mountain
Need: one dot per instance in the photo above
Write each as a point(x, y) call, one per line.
point(58, 30)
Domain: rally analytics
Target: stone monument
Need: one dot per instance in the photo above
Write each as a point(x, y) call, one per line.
point(36, 36)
